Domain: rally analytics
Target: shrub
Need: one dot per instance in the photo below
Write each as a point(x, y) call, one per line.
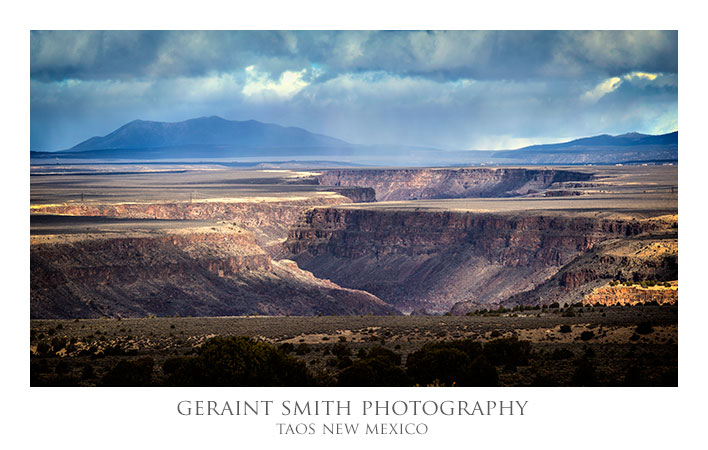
point(508, 352)
point(459, 362)
point(302, 349)
point(561, 353)
point(554, 305)
point(340, 349)
point(286, 347)
point(344, 361)
point(43, 348)
point(584, 374)
point(130, 373)
point(644, 328)
point(570, 312)
point(236, 361)
point(380, 367)
point(587, 335)
point(58, 343)
point(565, 329)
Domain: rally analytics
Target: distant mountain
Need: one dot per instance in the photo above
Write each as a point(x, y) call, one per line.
point(629, 147)
point(217, 139)
point(208, 131)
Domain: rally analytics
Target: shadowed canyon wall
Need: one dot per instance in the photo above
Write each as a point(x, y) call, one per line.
point(212, 272)
point(432, 260)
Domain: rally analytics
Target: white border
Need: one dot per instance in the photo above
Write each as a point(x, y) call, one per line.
point(556, 417)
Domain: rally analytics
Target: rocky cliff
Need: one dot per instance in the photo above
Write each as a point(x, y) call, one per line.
point(411, 184)
point(632, 295)
point(267, 218)
point(434, 259)
point(647, 256)
point(212, 271)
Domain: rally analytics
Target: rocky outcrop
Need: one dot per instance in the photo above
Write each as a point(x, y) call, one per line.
point(434, 259)
point(213, 271)
point(411, 184)
point(650, 256)
point(632, 295)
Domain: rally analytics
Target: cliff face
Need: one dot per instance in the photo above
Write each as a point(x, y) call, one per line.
point(203, 272)
point(631, 295)
point(650, 256)
point(410, 184)
point(268, 220)
point(432, 260)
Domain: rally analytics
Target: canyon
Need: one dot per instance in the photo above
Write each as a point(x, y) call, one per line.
point(210, 241)
point(217, 270)
point(414, 184)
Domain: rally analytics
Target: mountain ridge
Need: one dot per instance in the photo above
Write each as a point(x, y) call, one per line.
point(213, 138)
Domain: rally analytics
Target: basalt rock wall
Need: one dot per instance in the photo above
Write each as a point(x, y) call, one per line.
point(267, 220)
point(433, 259)
point(411, 184)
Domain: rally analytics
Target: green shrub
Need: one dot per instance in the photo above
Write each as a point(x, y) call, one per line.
point(459, 362)
point(565, 329)
point(570, 312)
point(236, 361)
point(507, 352)
point(380, 367)
point(587, 335)
point(130, 373)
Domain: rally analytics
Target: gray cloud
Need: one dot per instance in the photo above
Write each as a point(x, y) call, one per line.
point(58, 55)
point(441, 89)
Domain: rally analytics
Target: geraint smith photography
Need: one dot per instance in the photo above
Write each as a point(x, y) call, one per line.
point(353, 208)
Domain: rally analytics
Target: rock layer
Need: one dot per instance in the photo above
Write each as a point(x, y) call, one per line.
point(411, 184)
point(632, 295)
point(434, 259)
point(267, 219)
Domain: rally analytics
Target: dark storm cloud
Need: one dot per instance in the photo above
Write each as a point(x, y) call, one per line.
point(437, 54)
point(440, 89)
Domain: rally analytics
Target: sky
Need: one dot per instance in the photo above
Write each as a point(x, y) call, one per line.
point(457, 90)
